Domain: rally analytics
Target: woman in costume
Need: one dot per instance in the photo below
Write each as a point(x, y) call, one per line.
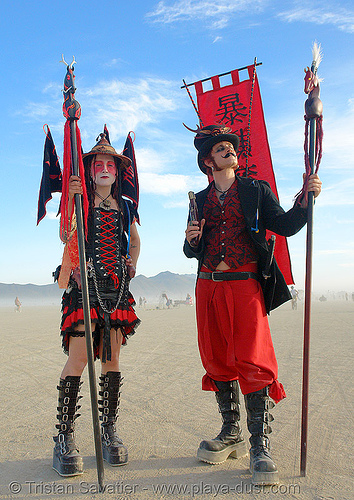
point(110, 230)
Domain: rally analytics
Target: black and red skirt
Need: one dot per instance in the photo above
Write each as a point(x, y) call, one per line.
point(106, 314)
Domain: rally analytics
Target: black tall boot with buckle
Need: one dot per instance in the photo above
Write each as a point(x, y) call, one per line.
point(66, 458)
point(229, 442)
point(263, 469)
point(114, 451)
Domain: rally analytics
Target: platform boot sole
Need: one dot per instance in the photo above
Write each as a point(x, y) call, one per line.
point(67, 470)
point(264, 478)
point(115, 460)
point(236, 450)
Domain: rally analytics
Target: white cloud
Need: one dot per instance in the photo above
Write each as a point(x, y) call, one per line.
point(339, 17)
point(37, 111)
point(339, 137)
point(217, 12)
point(124, 105)
point(150, 160)
point(338, 194)
point(127, 105)
point(52, 215)
point(114, 62)
point(168, 184)
point(183, 203)
point(54, 89)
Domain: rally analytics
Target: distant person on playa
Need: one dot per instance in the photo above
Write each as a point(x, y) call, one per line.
point(168, 301)
point(112, 314)
point(17, 305)
point(294, 296)
point(233, 333)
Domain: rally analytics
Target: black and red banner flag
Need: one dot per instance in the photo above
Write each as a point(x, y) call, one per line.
point(51, 177)
point(232, 105)
point(130, 183)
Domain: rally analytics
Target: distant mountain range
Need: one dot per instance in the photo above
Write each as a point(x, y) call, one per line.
point(175, 286)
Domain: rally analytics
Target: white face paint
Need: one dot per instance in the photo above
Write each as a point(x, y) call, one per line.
point(103, 170)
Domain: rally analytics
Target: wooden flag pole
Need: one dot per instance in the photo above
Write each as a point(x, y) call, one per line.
point(313, 113)
point(72, 112)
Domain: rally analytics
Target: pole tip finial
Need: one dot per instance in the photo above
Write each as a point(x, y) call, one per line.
point(71, 65)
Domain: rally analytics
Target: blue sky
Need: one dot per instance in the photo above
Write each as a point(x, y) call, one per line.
point(131, 58)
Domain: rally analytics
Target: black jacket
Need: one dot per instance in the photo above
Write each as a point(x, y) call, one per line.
point(261, 210)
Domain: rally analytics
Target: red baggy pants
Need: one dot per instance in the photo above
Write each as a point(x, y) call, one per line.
point(234, 336)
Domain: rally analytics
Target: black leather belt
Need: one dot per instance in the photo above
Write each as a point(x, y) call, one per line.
point(224, 276)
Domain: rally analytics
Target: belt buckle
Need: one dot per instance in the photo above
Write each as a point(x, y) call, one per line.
point(216, 273)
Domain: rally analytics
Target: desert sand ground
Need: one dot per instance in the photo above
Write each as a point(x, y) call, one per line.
point(165, 414)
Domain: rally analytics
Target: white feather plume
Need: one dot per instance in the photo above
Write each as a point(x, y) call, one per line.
point(316, 54)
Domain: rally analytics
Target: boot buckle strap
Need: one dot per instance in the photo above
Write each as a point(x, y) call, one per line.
point(106, 438)
point(62, 444)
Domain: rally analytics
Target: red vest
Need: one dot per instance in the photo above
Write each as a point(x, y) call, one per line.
point(225, 233)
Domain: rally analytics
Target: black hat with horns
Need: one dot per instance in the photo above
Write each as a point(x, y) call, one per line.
point(208, 136)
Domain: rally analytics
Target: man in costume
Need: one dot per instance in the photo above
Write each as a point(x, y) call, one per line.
point(110, 268)
point(237, 285)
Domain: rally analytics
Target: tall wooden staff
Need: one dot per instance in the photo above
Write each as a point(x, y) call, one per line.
point(72, 112)
point(313, 153)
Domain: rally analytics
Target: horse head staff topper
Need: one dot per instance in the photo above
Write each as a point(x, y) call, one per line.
point(313, 104)
point(71, 108)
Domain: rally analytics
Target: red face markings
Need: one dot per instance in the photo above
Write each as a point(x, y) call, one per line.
point(104, 170)
point(101, 166)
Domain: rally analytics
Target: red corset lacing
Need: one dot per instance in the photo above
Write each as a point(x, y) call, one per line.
point(108, 246)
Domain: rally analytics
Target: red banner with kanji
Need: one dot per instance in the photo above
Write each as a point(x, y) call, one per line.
point(230, 105)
